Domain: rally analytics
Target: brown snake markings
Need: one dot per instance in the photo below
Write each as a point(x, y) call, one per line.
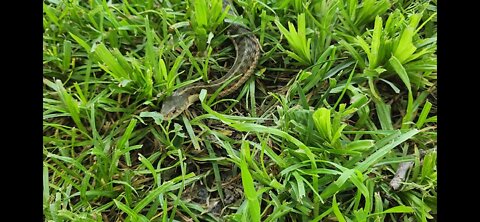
point(247, 50)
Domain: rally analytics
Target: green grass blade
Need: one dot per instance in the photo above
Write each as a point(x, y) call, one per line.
point(149, 166)
point(336, 210)
point(376, 43)
point(400, 70)
point(81, 42)
point(132, 214)
point(381, 152)
point(423, 115)
point(248, 186)
point(152, 195)
point(111, 63)
point(384, 115)
point(67, 55)
point(321, 118)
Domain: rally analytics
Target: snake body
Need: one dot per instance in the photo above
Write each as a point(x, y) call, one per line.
point(247, 50)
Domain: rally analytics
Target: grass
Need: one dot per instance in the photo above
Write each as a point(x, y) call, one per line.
point(344, 92)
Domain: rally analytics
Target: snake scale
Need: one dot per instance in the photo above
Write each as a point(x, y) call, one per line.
point(247, 50)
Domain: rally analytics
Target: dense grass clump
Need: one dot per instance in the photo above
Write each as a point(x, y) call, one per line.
point(343, 96)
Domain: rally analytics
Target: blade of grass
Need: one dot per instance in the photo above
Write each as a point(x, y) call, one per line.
point(248, 186)
point(336, 210)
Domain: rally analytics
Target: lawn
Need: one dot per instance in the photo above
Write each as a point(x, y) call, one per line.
point(336, 123)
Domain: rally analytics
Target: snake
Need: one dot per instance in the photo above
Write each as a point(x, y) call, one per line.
point(247, 49)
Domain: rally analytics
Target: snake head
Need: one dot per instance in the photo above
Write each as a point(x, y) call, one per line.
point(174, 105)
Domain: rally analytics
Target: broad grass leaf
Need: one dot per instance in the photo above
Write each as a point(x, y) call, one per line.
point(321, 118)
